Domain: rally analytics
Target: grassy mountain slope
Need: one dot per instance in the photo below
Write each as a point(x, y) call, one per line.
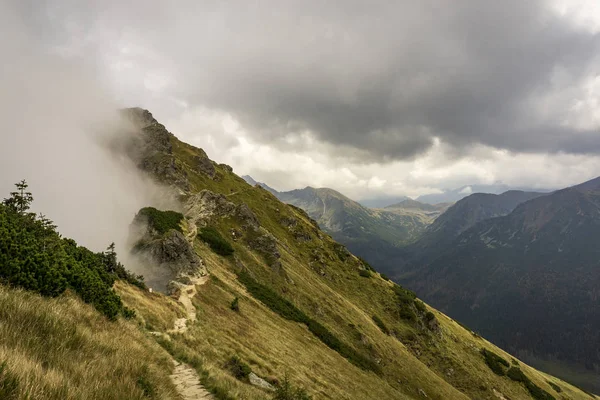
point(308, 308)
point(307, 311)
point(63, 349)
point(528, 280)
point(374, 234)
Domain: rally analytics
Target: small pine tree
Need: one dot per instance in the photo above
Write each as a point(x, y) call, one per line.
point(110, 257)
point(19, 201)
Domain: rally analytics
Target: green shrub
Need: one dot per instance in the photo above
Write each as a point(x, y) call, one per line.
point(536, 392)
point(429, 316)
point(364, 273)
point(420, 306)
point(495, 362)
point(404, 295)
point(239, 369)
point(516, 374)
point(162, 221)
point(407, 314)
point(289, 311)
point(554, 386)
point(384, 277)
point(380, 324)
point(366, 264)
point(271, 299)
point(35, 257)
point(286, 391)
point(235, 305)
point(128, 313)
point(216, 242)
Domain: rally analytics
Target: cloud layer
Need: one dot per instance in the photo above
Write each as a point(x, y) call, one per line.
point(353, 91)
point(56, 116)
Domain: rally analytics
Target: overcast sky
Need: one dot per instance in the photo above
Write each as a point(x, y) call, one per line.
point(366, 97)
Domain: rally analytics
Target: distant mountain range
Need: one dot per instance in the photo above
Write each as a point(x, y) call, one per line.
point(522, 269)
point(454, 195)
point(374, 234)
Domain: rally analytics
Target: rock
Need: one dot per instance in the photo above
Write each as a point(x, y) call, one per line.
point(267, 245)
point(288, 222)
point(203, 206)
point(422, 393)
point(434, 325)
point(166, 257)
point(226, 167)
point(148, 144)
point(259, 382)
point(205, 165)
point(248, 218)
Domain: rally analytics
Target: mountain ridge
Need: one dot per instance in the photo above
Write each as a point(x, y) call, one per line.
point(537, 258)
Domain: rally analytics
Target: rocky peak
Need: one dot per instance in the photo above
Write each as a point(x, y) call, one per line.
point(140, 117)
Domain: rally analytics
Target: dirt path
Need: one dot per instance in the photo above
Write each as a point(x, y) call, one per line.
point(188, 384)
point(185, 298)
point(184, 377)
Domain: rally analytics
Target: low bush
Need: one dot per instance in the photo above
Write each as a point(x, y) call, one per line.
point(162, 221)
point(380, 324)
point(495, 362)
point(384, 277)
point(235, 305)
point(366, 264)
point(554, 386)
point(536, 392)
point(404, 295)
point(516, 374)
point(217, 243)
point(34, 256)
point(420, 306)
point(239, 369)
point(364, 273)
point(407, 314)
point(289, 311)
point(429, 316)
point(286, 391)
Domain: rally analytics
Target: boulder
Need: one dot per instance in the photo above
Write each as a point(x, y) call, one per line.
point(247, 217)
point(256, 380)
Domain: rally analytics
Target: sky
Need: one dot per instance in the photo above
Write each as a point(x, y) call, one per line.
point(371, 98)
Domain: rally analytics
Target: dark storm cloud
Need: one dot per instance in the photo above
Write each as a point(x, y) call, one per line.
point(383, 77)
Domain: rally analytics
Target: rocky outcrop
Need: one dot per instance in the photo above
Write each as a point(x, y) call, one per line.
point(205, 165)
point(166, 257)
point(149, 144)
point(265, 243)
point(247, 217)
point(203, 206)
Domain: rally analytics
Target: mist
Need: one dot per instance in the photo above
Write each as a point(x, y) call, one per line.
point(56, 120)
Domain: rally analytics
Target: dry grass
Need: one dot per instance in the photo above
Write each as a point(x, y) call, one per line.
point(63, 349)
point(164, 312)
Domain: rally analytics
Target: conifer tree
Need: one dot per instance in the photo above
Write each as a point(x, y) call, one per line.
point(19, 201)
